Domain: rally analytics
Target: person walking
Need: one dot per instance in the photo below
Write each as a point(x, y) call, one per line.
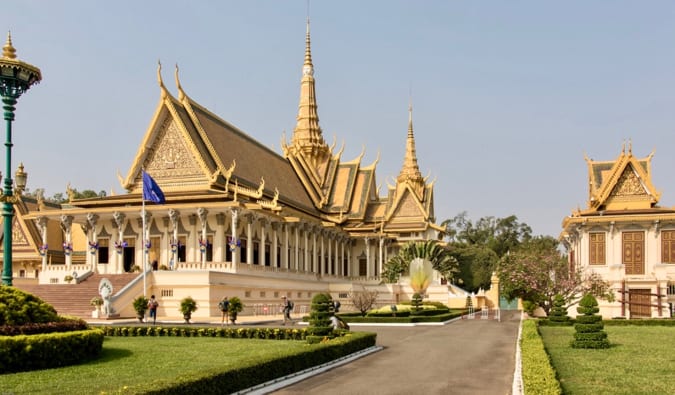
point(287, 307)
point(152, 308)
point(224, 306)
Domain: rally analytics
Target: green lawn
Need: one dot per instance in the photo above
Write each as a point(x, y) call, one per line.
point(132, 364)
point(641, 360)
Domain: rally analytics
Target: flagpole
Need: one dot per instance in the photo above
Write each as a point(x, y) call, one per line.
point(145, 266)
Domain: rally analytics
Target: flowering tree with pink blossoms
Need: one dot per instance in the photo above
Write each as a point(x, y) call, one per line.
point(538, 272)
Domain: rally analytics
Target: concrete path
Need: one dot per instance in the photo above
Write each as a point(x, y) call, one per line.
point(465, 357)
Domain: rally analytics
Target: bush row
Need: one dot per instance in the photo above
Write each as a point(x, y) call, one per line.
point(33, 352)
point(538, 374)
point(399, 320)
point(618, 321)
point(645, 322)
point(66, 325)
point(189, 331)
point(258, 371)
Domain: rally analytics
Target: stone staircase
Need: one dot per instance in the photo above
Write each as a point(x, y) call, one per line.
point(73, 299)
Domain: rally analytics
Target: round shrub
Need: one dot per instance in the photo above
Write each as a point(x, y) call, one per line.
point(19, 308)
point(558, 314)
point(589, 327)
point(319, 316)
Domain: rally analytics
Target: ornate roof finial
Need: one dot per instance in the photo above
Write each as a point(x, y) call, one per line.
point(410, 170)
point(307, 135)
point(630, 146)
point(623, 147)
point(181, 93)
point(8, 51)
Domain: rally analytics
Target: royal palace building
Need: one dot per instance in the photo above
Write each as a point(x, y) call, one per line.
point(625, 237)
point(238, 219)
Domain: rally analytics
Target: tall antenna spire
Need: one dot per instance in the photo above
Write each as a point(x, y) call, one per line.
point(307, 136)
point(410, 170)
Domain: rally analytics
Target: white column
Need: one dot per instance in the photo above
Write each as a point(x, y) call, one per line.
point(233, 247)
point(306, 263)
point(284, 248)
point(296, 250)
point(275, 244)
point(329, 263)
point(41, 223)
point(322, 259)
point(315, 253)
point(261, 250)
point(219, 243)
point(381, 257)
point(67, 224)
point(249, 239)
point(369, 270)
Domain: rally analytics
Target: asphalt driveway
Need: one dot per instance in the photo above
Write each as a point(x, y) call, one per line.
point(475, 356)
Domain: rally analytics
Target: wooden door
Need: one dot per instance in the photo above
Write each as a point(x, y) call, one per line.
point(633, 252)
point(640, 301)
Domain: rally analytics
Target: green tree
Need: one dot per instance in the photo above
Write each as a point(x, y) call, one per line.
point(428, 250)
point(539, 273)
point(476, 265)
point(589, 331)
point(479, 245)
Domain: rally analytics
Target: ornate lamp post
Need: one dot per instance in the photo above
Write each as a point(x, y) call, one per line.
point(16, 77)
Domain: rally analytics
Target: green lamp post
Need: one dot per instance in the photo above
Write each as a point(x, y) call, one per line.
point(16, 77)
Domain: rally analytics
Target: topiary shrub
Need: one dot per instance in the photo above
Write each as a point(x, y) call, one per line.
point(558, 315)
point(416, 301)
point(589, 326)
point(319, 318)
point(18, 308)
point(33, 336)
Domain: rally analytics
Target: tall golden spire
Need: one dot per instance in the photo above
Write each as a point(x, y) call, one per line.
point(410, 170)
point(307, 135)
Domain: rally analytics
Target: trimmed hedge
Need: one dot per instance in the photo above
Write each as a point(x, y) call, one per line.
point(256, 371)
point(18, 307)
point(42, 351)
point(402, 320)
point(190, 331)
point(639, 322)
point(66, 325)
point(538, 374)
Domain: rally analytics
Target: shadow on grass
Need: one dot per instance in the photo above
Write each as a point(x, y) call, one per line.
point(109, 354)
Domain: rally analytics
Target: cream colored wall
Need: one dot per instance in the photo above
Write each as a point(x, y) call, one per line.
point(656, 273)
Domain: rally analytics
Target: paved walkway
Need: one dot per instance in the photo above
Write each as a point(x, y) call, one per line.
point(468, 356)
point(465, 357)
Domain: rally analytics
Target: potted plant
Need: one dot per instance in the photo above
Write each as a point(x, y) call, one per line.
point(140, 306)
point(188, 306)
point(68, 278)
point(235, 307)
point(97, 302)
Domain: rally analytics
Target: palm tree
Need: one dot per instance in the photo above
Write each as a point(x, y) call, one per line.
point(428, 250)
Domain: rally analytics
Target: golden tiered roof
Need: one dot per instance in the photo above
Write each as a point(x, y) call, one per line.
point(196, 156)
point(622, 184)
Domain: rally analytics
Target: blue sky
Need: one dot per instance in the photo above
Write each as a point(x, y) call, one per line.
point(507, 96)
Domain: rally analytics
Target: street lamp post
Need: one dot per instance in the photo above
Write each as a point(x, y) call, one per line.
point(16, 77)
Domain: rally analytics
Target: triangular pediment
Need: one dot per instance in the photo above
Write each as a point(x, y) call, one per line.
point(407, 207)
point(171, 158)
point(628, 185)
point(172, 152)
point(623, 184)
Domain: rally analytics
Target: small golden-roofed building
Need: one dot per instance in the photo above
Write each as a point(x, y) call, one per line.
point(625, 237)
point(238, 215)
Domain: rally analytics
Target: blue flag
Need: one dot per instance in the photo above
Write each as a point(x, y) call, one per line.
point(151, 190)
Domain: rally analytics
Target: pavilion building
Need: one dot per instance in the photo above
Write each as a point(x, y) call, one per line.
point(625, 237)
point(239, 218)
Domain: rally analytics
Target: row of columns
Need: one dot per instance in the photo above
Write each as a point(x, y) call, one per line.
point(304, 247)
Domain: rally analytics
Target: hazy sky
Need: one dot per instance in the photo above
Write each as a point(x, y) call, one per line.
point(507, 95)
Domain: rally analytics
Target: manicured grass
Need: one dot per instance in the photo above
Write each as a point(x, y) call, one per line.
point(639, 361)
point(131, 365)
